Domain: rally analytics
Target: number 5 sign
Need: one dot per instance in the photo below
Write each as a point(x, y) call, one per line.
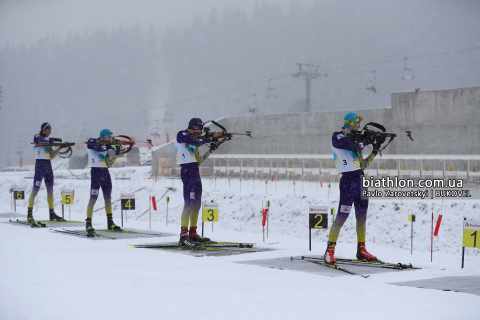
point(471, 235)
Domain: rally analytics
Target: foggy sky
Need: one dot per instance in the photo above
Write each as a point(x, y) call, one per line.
point(209, 55)
point(24, 21)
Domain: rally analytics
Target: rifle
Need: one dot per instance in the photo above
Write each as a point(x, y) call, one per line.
point(218, 138)
point(60, 145)
point(120, 140)
point(370, 136)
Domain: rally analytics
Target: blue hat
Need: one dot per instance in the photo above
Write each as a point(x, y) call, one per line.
point(45, 126)
point(351, 120)
point(195, 124)
point(105, 133)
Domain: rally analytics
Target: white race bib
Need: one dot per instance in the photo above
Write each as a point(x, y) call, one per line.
point(185, 153)
point(97, 159)
point(42, 152)
point(345, 160)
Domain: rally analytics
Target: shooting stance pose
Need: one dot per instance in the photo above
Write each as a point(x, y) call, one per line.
point(347, 154)
point(187, 156)
point(43, 169)
point(99, 162)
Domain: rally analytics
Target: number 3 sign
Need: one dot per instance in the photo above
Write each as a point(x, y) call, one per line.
point(210, 212)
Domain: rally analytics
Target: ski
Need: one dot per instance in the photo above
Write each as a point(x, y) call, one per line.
point(82, 233)
point(32, 224)
point(215, 242)
point(177, 247)
point(333, 266)
point(233, 245)
point(132, 232)
point(375, 263)
point(63, 220)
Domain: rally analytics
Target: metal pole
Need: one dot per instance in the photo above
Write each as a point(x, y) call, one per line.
point(463, 248)
point(411, 238)
point(166, 219)
point(122, 216)
point(309, 239)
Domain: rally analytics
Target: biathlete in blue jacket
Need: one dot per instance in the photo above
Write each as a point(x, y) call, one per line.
point(99, 162)
point(43, 169)
point(187, 156)
point(349, 161)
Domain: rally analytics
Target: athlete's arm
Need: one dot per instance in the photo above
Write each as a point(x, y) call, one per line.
point(41, 139)
point(109, 161)
point(200, 159)
point(183, 137)
point(93, 144)
point(339, 141)
point(364, 163)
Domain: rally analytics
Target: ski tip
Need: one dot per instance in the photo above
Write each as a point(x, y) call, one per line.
point(133, 246)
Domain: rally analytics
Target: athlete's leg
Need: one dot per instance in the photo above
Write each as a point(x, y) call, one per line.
point(95, 174)
point(49, 184)
point(361, 207)
point(106, 185)
point(37, 182)
point(188, 197)
point(197, 203)
point(347, 194)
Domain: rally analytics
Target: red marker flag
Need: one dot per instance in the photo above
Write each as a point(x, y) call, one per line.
point(438, 225)
point(265, 213)
point(154, 204)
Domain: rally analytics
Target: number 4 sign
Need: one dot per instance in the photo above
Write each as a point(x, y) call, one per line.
point(471, 235)
point(127, 202)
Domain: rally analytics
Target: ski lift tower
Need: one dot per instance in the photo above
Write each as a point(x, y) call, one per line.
point(407, 72)
point(372, 84)
point(254, 106)
point(309, 71)
point(271, 92)
point(167, 117)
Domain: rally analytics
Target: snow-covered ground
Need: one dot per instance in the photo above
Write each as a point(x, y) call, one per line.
point(44, 275)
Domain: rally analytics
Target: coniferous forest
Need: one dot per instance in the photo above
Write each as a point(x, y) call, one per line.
point(228, 62)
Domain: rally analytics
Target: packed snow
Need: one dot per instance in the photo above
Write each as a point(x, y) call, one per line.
point(48, 275)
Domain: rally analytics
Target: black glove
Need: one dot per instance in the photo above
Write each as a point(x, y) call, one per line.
point(118, 148)
point(57, 140)
point(376, 147)
point(209, 137)
point(369, 139)
point(213, 146)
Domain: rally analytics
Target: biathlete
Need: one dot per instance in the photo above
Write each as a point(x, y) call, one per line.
point(349, 161)
point(43, 169)
point(187, 156)
point(99, 162)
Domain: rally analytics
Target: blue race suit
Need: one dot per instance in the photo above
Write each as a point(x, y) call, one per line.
point(43, 170)
point(192, 183)
point(350, 186)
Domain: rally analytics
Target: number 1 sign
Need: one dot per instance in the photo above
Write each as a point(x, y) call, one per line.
point(471, 235)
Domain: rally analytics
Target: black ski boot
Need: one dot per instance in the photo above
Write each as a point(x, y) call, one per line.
point(30, 215)
point(53, 216)
point(185, 240)
point(196, 237)
point(89, 228)
point(111, 224)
